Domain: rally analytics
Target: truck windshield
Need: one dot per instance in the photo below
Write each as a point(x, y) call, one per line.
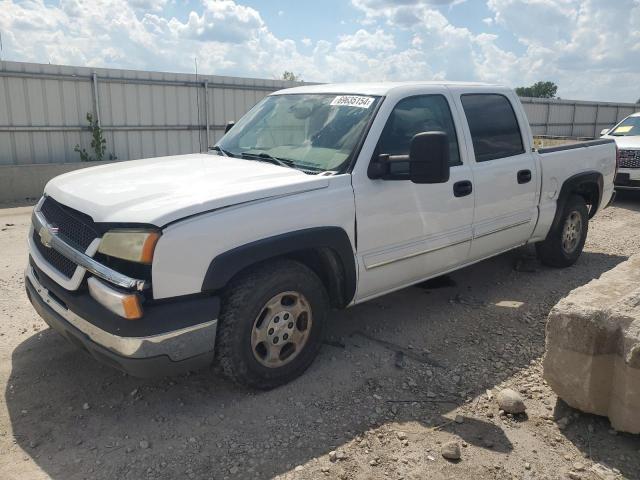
point(310, 132)
point(629, 127)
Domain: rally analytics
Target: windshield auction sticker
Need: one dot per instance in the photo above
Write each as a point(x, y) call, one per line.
point(352, 101)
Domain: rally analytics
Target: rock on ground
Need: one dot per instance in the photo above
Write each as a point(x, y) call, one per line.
point(592, 358)
point(451, 451)
point(511, 401)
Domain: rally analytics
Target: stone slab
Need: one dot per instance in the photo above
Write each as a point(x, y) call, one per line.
point(592, 358)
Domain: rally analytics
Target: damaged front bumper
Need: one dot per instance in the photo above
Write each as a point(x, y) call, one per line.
point(171, 338)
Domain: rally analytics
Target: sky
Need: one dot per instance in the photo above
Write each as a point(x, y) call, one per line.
point(589, 48)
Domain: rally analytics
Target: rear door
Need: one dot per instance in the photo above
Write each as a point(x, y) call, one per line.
point(505, 171)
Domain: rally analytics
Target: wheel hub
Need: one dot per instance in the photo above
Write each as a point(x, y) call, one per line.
point(571, 232)
point(281, 329)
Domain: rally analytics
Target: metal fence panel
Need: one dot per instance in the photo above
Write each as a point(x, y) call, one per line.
point(556, 117)
point(43, 111)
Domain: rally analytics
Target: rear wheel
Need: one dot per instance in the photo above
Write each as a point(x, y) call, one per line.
point(271, 324)
point(565, 241)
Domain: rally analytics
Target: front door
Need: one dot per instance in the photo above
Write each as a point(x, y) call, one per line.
point(406, 231)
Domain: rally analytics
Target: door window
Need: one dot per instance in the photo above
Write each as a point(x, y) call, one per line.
point(494, 128)
point(413, 115)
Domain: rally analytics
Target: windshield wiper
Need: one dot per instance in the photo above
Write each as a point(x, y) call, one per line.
point(222, 151)
point(265, 157)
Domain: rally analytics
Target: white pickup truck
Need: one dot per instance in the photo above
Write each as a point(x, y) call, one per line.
point(627, 137)
point(320, 197)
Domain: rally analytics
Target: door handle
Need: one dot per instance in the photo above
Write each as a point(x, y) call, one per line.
point(462, 188)
point(524, 176)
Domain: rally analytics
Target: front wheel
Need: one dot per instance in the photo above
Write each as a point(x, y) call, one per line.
point(271, 324)
point(565, 241)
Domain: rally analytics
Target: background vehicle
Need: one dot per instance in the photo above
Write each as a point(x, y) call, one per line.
point(320, 197)
point(627, 137)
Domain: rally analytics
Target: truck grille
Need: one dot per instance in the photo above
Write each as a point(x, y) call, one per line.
point(58, 261)
point(629, 159)
point(77, 228)
point(73, 225)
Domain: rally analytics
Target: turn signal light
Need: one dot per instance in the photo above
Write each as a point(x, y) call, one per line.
point(126, 305)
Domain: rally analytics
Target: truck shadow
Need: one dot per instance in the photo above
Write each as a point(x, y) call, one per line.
point(628, 199)
point(410, 357)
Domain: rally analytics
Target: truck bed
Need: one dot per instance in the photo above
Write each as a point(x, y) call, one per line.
point(560, 163)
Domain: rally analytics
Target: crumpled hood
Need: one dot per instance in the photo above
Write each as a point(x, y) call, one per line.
point(161, 190)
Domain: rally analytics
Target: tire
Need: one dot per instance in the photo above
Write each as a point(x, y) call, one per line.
point(565, 241)
point(257, 312)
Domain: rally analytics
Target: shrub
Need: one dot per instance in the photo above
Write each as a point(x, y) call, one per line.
point(98, 144)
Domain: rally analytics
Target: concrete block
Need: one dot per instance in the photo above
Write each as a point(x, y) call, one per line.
point(592, 358)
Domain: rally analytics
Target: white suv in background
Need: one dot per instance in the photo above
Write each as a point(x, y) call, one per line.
point(627, 137)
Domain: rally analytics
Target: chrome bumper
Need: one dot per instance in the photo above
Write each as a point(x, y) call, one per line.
point(178, 345)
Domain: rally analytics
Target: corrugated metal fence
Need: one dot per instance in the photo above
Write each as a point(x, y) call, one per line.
point(43, 110)
point(144, 114)
point(575, 119)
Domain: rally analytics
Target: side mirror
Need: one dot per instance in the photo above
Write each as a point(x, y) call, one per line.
point(604, 131)
point(428, 161)
point(429, 158)
point(229, 126)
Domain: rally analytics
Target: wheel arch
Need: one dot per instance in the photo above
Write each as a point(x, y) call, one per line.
point(325, 250)
point(589, 185)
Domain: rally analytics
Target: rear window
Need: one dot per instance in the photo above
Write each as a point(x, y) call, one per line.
point(494, 128)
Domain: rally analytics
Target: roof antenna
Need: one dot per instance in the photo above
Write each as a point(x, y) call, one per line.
point(195, 59)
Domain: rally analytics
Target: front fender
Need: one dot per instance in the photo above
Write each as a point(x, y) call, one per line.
point(226, 265)
point(184, 254)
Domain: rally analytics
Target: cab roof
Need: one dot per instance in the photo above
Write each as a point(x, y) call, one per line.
point(378, 88)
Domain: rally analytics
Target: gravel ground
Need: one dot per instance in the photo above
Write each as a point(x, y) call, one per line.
point(399, 377)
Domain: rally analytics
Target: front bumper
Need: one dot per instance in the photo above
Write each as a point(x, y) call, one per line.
point(624, 181)
point(171, 338)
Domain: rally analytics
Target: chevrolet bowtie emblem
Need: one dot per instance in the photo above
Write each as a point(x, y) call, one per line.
point(46, 235)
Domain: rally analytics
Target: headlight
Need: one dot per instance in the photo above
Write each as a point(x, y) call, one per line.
point(133, 245)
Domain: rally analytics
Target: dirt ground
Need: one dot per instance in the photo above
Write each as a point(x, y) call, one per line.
point(408, 362)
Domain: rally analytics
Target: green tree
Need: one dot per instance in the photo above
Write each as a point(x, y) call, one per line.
point(287, 75)
point(538, 90)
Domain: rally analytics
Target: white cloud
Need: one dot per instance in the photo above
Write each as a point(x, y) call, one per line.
point(148, 5)
point(365, 41)
point(403, 12)
point(221, 21)
point(589, 47)
point(533, 20)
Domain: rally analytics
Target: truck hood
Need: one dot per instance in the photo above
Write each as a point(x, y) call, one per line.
point(161, 190)
point(631, 143)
